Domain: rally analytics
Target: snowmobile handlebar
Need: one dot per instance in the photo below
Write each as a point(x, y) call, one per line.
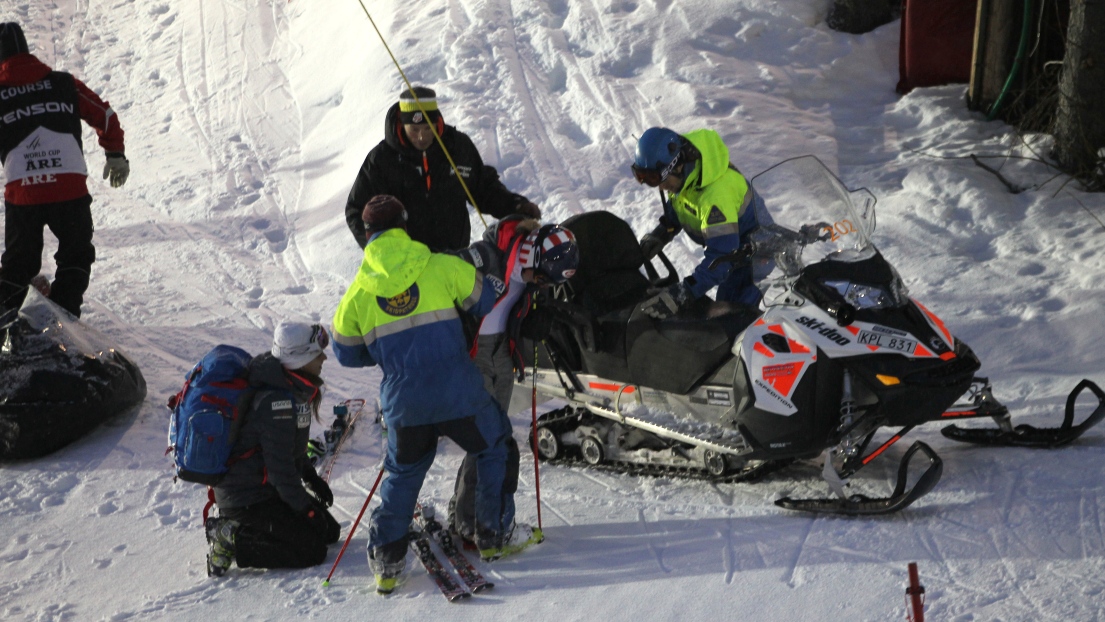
point(784, 244)
point(654, 278)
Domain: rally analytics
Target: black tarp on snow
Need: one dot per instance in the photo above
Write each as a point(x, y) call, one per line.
point(59, 379)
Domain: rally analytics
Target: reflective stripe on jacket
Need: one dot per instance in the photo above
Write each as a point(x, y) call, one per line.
point(401, 313)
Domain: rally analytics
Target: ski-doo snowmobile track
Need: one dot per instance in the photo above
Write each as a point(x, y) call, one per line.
point(559, 421)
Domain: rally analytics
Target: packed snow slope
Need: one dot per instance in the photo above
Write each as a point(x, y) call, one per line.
point(246, 121)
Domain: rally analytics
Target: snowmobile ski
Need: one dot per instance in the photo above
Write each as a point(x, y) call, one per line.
point(425, 518)
point(450, 589)
point(1029, 436)
point(857, 505)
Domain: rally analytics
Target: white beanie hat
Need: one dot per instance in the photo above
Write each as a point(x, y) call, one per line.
point(297, 344)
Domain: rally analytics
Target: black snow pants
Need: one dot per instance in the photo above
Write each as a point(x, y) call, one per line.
point(71, 224)
point(273, 535)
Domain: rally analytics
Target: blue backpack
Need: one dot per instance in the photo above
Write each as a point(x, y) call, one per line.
point(207, 415)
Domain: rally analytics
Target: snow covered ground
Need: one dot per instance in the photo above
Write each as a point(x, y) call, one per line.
point(246, 121)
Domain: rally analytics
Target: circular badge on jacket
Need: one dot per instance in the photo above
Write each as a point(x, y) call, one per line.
point(402, 304)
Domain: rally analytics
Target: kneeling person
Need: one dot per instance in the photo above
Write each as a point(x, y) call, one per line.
point(272, 503)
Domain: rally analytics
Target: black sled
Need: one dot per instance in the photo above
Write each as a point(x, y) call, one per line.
point(59, 379)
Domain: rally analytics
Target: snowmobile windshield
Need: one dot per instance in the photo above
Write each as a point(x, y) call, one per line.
point(862, 296)
point(816, 217)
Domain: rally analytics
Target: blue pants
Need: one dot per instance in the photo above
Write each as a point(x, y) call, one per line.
point(410, 453)
point(740, 284)
point(739, 287)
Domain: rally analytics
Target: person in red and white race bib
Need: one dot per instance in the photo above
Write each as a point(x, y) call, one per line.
point(45, 172)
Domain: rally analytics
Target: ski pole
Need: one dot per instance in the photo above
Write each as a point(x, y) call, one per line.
point(352, 529)
point(536, 469)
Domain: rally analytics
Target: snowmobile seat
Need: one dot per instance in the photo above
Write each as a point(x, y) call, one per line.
point(609, 277)
point(677, 353)
point(672, 355)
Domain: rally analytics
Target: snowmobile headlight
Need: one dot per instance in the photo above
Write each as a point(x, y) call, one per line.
point(864, 296)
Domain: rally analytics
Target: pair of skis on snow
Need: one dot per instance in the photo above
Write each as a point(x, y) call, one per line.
point(425, 528)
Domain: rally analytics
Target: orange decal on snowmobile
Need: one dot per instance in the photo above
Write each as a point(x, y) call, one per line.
point(610, 387)
point(782, 376)
point(936, 322)
point(796, 347)
point(762, 349)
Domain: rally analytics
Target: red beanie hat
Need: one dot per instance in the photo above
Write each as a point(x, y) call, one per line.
point(383, 211)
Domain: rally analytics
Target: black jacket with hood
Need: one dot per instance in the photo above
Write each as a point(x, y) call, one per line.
point(437, 212)
point(271, 452)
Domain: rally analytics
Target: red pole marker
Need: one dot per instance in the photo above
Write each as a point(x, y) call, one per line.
point(536, 468)
point(364, 507)
point(915, 595)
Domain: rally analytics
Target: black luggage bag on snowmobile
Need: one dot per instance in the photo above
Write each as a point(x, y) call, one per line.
point(604, 332)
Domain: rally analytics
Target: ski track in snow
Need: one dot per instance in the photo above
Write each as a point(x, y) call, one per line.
point(246, 121)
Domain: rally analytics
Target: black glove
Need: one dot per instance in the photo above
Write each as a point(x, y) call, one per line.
point(819, 232)
point(654, 241)
point(317, 486)
point(668, 301)
point(323, 524)
point(740, 257)
point(537, 323)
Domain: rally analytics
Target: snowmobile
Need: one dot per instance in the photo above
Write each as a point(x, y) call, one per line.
point(728, 392)
point(59, 379)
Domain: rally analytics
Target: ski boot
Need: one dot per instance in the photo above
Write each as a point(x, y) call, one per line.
point(389, 566)
point(519, 539)
point(333, 436)
point(221, 536)
point(316, 451)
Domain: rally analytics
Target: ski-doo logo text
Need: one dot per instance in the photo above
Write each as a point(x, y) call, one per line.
point(401, 304)
point(825, 331)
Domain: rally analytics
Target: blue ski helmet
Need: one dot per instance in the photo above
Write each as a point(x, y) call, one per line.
point(555, 253)
point(658, 153)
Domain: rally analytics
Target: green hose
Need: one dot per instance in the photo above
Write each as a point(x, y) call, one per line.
point(1025, 28)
